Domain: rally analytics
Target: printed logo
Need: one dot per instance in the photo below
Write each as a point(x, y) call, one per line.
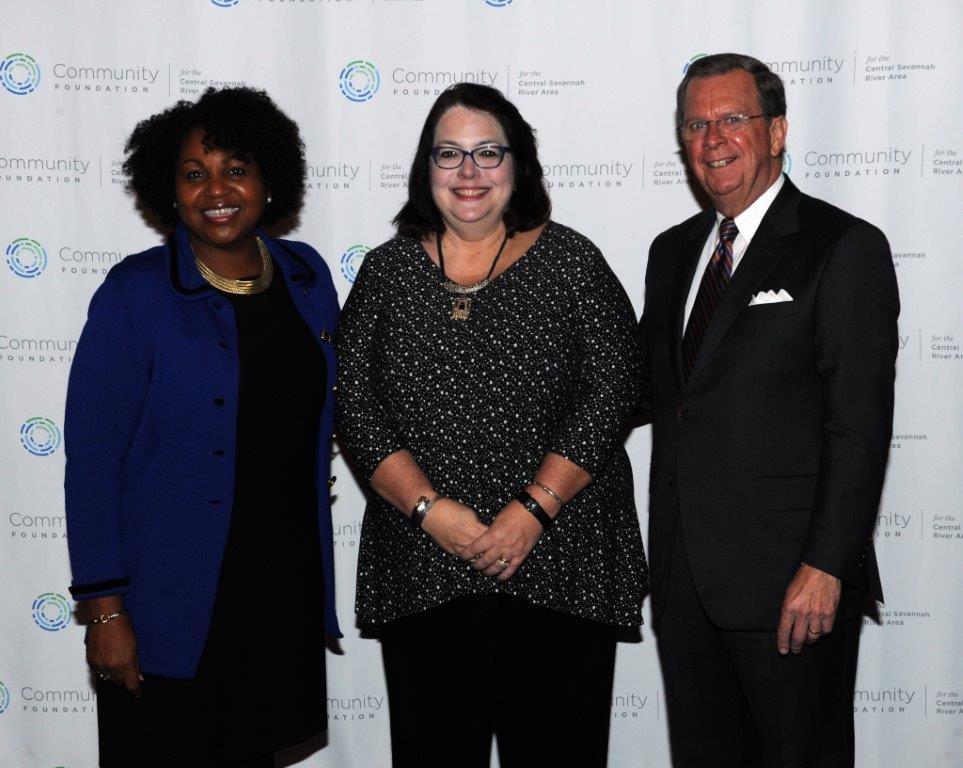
point(359, 80)
point(57, 701)
point(51, 612)
point(786, 162)
point(364, 707)
point(692, 61)
point(498, 3)
point(332, 175)
point(347, 535)
point(609, 174)
point(26, 257)
point(632, 704)
point(886, 161)
point(4, 698)
point(46, 527)
point(225, 3)
point(882, 700)
point(807, 71)
point(351, 261)
point(40, 436)
point(20, 73)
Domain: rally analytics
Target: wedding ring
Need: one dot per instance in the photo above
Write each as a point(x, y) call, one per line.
point(813, 632)
point(503, 561)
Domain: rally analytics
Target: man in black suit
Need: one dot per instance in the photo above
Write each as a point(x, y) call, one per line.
point(770, 333)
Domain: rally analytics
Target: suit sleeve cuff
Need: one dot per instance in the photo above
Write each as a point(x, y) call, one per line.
point(94, 589)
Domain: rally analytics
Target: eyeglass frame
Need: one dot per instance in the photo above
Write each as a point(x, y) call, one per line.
point(718, 124)
point(469, 153)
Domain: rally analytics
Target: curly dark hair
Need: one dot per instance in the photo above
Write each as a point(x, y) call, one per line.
point(529, 206)
point(243, 121)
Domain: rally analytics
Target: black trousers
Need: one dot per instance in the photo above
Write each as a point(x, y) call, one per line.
point(732, 700)
point(540, 680)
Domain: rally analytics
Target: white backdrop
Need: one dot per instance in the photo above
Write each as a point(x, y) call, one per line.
point(875, 127)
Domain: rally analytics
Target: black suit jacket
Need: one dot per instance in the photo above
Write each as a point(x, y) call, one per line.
point(773, 452)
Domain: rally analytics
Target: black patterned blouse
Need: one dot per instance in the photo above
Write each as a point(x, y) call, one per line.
point(548, 360)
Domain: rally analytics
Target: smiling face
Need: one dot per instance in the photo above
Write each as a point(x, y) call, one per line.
point(736, 168)
point(220, 198)
point(471, 199)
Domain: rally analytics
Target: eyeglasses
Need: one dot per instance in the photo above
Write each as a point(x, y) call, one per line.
point(488, 156)
point(696, 129)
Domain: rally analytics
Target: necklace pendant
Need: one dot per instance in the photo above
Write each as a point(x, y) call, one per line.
point(460, 308)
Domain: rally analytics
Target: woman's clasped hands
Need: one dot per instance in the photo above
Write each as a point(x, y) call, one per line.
point(496, 550)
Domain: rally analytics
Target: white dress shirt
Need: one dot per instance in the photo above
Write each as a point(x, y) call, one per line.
point(747, 223)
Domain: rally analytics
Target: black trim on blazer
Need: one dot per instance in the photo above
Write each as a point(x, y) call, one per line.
point(79, 590)
point(307, 276)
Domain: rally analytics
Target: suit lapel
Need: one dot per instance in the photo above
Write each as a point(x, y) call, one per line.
point(686, 265)
point(763, 254)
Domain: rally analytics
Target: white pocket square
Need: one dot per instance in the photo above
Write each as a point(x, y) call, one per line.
point(770, 297)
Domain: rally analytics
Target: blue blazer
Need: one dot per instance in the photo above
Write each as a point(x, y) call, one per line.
point(153, 392)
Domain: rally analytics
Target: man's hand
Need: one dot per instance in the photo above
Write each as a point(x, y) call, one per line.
point(808, 609)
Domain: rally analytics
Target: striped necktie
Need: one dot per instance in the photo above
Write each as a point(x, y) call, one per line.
point(714, 282)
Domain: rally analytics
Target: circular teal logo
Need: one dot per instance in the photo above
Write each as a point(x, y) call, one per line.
point(4, 698)
point(51, 611)
point(26, 257)
point(20, 73)
point(40, 436)
point(498, 3)
point(359, 80)
point(351, 261)
point(786, 162)
point(225, 3)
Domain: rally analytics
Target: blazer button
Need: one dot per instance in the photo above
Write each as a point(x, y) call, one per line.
point(332, 480)
point(218, 452)
point(334, 435)
point(219, 401)
point(324, 336)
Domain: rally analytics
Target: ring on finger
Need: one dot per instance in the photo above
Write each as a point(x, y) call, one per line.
point(504, 561)
point(814, 632)
point(103, 675)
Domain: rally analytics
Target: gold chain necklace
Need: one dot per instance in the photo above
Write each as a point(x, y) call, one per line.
point(240, 287)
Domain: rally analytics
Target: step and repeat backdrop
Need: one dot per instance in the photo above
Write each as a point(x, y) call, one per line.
point(875, 127)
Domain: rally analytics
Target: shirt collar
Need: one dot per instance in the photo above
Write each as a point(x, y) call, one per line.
point(749, 220)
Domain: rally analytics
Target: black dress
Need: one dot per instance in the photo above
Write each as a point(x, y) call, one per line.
point(260, 685)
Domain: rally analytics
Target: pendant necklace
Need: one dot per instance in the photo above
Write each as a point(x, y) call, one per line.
point(461, 303)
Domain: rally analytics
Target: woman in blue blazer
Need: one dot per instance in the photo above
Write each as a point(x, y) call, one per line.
point(198, 433)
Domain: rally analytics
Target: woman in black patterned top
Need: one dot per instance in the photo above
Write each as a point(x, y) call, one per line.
point(489, 361)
